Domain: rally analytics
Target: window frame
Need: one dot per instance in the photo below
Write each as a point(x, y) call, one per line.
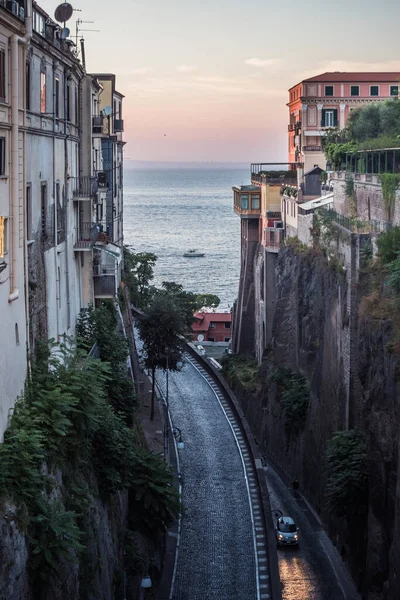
point(212, 324)
point(352, 87)
point(3, 152)
point(57, 96)
point(42, 92)
point(370, 90)
point(332, 88)
point(244, 198)
point(3, 74)
point(255, 198)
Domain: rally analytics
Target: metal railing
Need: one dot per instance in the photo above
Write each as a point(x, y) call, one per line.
point(354, 225)
point(273, 238)
point(104, 285)
point(86, 235)
point(83, 187)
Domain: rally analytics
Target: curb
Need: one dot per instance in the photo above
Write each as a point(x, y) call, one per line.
point(275, 582)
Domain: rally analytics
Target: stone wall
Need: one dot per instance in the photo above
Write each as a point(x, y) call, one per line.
point(318, 329)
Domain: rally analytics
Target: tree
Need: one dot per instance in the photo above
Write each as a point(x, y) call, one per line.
point(161, 330)
point(138, 272)
point(207, 301)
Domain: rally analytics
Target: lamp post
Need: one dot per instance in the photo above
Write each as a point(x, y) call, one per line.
point(145, 582)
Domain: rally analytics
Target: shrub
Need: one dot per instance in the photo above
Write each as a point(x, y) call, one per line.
point(389, 245)
point(347, 482)
point(390, 183)
point(294, 393)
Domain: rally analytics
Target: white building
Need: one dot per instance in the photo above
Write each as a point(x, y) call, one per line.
point(14, 35)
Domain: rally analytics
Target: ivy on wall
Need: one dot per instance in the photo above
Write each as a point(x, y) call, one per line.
point(390, 183)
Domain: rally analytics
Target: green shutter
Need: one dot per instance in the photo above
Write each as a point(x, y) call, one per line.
point(335, 117)
point(323, 118)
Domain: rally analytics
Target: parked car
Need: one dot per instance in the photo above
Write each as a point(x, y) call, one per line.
point(201, 350)
point(286, 532)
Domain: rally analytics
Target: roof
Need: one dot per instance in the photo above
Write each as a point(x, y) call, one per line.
point(246, 188)
point(314, 171)
point(356, 76)
point(203, 320)
point(339, 76)
point(317, 203)
point(287, 520)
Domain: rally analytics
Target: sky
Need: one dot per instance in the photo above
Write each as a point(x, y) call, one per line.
point(207, 80)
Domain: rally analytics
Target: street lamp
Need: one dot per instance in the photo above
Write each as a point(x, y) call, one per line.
point(146, 581)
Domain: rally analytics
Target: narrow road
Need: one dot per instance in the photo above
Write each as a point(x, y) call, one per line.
point(306, 572)
point(216, 559)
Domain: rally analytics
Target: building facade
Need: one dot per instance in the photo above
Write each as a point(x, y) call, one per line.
point(61, 198)
point(325, 101)
point(14, 36)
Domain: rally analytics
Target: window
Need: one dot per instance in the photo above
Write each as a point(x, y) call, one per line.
point(227, 325)
point(76, 106)
point(374, 90)
point(244, 201)
point(255, 201)
point(227, 339)
point(43, 208)
point(28, 212)
point(28, 85)
point(329, 90)
point(59, 286)
point(57, 96)
point(212, 325)
point(2, 156)
point(39, 24)
point(329, 118)
point(3, 237)
point(59, 214)
point(211, 339)
point(2, 75)
point(114, 109)
point(394, 90)
point(68, 102)
point(42, 92)
point(354, 90)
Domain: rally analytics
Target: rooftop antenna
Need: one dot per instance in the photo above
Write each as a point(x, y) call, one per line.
point(78, 29)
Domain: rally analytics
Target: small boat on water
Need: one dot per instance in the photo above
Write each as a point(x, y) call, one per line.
point(193, 253)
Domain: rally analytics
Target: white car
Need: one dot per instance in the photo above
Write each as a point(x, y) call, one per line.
point(286, 532)
point(201, 350)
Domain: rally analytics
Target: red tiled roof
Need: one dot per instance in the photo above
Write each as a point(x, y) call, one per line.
point(339, 76)
point(203, 320)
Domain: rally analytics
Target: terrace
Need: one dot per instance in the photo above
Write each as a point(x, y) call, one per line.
point(274, 173)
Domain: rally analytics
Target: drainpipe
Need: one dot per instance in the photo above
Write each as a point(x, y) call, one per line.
point(58, 285)
point(67, 73)
point(14, 205)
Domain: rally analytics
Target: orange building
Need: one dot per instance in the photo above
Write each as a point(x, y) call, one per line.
point(325, 101)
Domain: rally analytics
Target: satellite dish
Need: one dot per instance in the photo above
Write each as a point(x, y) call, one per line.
point(107, 111)
point(63, 12)
point(64, 33)
point(200, 337)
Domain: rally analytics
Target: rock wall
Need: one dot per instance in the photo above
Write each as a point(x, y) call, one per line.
point(318, 329)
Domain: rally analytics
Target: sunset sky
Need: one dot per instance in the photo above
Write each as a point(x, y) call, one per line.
point(208, 81)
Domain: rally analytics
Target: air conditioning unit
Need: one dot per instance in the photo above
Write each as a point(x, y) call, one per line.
point(13, 6)
point(278, 224)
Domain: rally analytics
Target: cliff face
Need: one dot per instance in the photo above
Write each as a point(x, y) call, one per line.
point(319, 329)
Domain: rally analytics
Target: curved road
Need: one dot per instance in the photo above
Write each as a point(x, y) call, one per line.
point(216, 559)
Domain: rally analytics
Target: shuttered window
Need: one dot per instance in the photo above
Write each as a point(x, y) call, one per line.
point(2, 75)
point(329, 117)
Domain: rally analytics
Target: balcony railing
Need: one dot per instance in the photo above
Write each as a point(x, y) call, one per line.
point(274, 173)
point(83, 188)
point(118, 125)
point(354, 225)
point(104, 281)
point(312, 148)
point(97, 124)
point(86, 235)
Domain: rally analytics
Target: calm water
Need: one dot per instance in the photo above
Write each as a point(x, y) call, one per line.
point(169, 211)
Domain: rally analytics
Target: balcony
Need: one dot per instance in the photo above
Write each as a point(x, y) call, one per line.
point(273, 238)
point(97, 124)
point(83, 188)
point(274, 173)
point(118, 125)
point(102, 180)
point(104, 282)
point(86, 235)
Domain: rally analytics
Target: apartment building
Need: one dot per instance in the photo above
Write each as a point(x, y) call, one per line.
point(14, 36)
point(61, 200)
point(325, 101)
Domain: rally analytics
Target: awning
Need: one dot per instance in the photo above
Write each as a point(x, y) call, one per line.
point(317, 203)
point(112, 249)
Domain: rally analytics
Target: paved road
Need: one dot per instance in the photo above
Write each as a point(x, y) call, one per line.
point(306, 572)
point(216, 558)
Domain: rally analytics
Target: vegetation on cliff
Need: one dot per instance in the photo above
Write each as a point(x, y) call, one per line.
point(69, 443)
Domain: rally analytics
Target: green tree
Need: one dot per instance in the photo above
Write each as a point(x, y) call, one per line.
point(207, 301)
point(161, 330)
point(138, 273)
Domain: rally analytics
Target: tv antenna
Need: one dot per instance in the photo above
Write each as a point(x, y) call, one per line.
point(78, 30)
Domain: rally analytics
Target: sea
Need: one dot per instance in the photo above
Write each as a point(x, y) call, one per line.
point(168, 211)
